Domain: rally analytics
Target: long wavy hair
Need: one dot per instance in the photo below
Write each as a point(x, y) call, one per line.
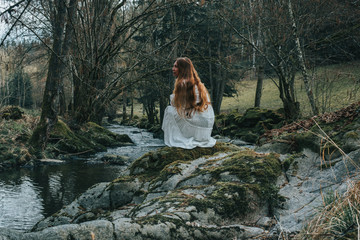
point(184, 91)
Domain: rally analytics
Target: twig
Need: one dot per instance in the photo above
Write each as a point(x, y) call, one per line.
point(17, 20)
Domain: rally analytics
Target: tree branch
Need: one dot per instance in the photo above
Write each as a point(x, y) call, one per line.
point(16, 21)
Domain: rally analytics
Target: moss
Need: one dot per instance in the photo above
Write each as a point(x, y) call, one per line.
point(90, 138)
point(232, 199)
point(289, 161)
point(249, 126)
point(153, 162)
point(63, 140)
point(169, 170)
point(125, 178)
point(100, 135)
point(351, 135)
point(306, 140)
point(256, 174)
point(160, 218)
point(248, 166)
point(11, 112)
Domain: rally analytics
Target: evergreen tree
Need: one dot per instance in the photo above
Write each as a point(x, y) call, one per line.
point(20, 89)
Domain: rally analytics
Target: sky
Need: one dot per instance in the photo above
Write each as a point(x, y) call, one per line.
point(2, 22)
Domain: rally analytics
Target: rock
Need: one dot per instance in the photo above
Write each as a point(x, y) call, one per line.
point(9, 234)
point(332, 131)
point(99, 230)
point(250, 126)
point(277, 147)
point(87, 139)
point(265, 222)
point(239, 142)
point(352, 141)
point(196, 196)
point(115, 159)
point(51, 161)
point(11, 112)
point(308, 184)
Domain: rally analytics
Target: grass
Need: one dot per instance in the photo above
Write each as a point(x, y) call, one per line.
point(338, 218)
point(11, 129)
point(334, 87)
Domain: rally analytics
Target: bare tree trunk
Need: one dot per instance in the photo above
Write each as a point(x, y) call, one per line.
point(132, 106)
point(67, 45)
point(23, 95)
point(300, 56)
point(124, 104)
point(212, 85)
point(259, 85)
point(19, 91)
point(49, 115)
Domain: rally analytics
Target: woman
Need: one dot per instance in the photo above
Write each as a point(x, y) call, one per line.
point(189, 120)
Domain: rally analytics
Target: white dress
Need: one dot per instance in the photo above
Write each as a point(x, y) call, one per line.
point(191, 132)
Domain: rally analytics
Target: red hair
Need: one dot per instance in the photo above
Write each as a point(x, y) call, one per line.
point(184, 91)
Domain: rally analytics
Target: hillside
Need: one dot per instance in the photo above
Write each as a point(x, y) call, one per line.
point(334, 86)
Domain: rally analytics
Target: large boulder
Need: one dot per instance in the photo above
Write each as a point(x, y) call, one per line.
point(172, 193)
point(308, 188)
point(88, 139)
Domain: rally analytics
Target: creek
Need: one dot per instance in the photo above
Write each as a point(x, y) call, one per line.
point(29, 195)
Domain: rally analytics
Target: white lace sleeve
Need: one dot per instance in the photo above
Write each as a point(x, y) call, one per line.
point(197, 96)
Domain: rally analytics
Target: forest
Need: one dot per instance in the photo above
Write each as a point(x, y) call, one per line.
point(81, 80)
point(85, 60)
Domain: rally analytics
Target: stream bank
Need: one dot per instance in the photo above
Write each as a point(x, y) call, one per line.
point(30, 194)
point(270, 192)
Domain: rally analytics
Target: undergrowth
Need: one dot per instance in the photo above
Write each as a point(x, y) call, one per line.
point(339, 216)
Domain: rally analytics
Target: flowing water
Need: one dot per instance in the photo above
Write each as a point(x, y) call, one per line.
point(28, 195)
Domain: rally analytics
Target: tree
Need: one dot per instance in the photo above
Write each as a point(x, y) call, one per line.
point(49, 114)
point(20, 89)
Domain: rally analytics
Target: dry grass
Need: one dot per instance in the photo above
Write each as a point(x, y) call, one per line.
point(339, 217)
point(13, 133)
point(334, 86)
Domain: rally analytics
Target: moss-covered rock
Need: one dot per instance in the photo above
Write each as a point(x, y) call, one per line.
point(325, 134)
point(100, 135)
point(207, 190)
point(152, 163)
point(11, 112)
point(90, 138)
point(63, 140)
point(249, 126)
point(233, 185)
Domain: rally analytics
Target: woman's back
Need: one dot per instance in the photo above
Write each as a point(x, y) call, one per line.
point(189, 120)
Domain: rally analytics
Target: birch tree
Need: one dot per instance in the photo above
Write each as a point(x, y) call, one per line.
point(301, 59)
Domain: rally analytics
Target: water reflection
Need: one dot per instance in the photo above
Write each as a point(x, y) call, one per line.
point(20, 201)
point(26, 196)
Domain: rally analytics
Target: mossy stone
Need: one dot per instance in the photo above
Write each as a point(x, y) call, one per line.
point(88, 139)
point(249, 126)
point(153, 162)
point(63, 140)
point(255, 176)
point(11, 112)
point(102, 137)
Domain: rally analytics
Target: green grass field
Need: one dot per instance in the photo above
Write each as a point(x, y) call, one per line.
point(334, 87)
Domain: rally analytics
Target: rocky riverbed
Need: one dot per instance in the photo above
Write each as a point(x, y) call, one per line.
point(225, 192)
point(221, 193)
